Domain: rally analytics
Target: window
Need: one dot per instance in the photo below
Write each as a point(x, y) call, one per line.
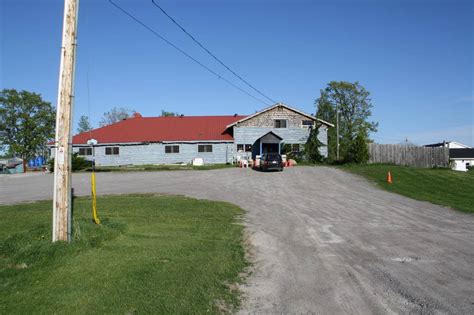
point(85, 151)
point(295, 147)
point(205, 148)
point(112, 151)
point(307, 123)
point(280, 123)
point(244, 148)
point(172, 149)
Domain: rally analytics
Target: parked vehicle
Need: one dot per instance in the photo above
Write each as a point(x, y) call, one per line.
point(271, 161)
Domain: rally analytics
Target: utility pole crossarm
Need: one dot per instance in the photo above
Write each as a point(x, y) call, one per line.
point(63, 146)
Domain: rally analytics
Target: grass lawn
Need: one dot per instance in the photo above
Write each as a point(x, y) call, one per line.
point(440, 186)
point(151, 254)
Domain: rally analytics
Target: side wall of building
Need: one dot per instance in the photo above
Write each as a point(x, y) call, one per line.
point(154, 153)
point(462, 164)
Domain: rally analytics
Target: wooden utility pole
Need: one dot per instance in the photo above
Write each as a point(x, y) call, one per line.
point(63, 146)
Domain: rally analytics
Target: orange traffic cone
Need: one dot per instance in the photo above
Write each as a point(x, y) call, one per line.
point(389, 177)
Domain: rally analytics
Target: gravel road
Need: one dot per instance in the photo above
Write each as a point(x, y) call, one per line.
point(323, 241)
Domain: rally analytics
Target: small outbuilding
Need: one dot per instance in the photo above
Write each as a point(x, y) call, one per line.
point(461, 159)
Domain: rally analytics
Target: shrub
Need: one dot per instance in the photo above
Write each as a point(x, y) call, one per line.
point(78, 163)
point(359, 149)
point(311, 147)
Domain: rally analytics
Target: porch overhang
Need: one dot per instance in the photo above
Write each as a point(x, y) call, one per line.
point(269, 139)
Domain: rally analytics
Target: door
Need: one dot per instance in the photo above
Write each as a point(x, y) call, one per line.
point(270, 147)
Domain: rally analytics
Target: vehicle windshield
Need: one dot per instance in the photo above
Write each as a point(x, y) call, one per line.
point(273, 157)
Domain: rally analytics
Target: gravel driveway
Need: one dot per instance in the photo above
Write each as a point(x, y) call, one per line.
point(323, 241)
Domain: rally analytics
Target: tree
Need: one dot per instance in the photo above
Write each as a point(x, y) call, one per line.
point(326, 112)
point(359, 150)
point(116, 114)
point(165, 113)
point(84, 124)
point(26, 122)
point(312, 146)
point(352, 102)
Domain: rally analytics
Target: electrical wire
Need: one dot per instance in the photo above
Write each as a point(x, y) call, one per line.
point(183, 52)
point(210, 53)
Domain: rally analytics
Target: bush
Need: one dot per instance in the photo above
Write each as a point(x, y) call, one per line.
point(311, 147)
point(359, 149)
point(78, 163)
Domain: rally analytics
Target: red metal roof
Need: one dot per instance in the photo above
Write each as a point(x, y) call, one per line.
point(155, 129)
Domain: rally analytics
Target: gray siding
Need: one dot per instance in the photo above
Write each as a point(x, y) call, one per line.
point(248, 135)
point(155, 154)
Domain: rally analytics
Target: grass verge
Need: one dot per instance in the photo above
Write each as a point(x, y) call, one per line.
point(439, 186)
point(151, 254)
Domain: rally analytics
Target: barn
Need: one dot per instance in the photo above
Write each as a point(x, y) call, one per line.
point(216, 139)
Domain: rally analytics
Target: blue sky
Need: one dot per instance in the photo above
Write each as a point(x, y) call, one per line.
point(415, 57)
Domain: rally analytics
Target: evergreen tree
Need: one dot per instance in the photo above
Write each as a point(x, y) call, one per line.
point(359, 149)
point(326, 112)
point(312, 146)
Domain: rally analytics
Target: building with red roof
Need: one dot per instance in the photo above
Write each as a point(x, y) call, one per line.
point(138, 129)
point(182, 139)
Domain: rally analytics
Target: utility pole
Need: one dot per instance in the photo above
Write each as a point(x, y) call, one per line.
point(63, 146)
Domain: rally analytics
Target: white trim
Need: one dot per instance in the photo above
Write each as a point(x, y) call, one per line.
point(307, 127)
point(458, 143)
point(280, 105)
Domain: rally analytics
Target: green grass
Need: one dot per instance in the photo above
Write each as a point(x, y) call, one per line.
point(440, 186)
point(151, 254)
point(164, 167)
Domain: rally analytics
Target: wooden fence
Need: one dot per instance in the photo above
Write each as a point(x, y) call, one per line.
point(408, 155)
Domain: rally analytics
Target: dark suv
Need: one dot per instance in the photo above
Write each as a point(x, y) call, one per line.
point(271, 161)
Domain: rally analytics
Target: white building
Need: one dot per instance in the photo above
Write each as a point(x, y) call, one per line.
point(461, 159)
point(461, 156)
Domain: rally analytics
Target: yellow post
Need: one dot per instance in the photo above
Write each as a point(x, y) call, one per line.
point(94, 201)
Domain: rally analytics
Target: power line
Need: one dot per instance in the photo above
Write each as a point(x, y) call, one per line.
point(211, 54)
point(183, 52)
